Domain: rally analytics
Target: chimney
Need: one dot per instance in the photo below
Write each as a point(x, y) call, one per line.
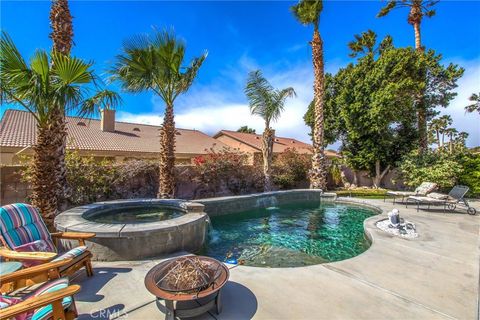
point(107, 120)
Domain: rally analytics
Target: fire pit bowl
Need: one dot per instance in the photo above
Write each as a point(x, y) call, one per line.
point(188, 278)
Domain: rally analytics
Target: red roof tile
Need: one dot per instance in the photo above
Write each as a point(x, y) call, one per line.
point(17, 129)
point(280, 145)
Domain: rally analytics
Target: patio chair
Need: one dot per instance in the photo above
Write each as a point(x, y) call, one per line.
point(26, 238)
point(51, 299)
point(455, 197)
point(422, 190)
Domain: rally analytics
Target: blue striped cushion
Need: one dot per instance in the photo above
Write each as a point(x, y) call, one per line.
point(21, 223)
point(72, 253)
point(51, 286)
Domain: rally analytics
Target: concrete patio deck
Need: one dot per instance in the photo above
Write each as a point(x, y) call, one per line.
point(435, 276)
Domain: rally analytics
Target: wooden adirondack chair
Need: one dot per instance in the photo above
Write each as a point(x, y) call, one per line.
point(52, 299)
point(26, 238)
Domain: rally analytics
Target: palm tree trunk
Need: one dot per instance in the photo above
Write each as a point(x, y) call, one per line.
point(44, 176)
point(62, 37)
point(418, 37)
point(267, 152)
point(167, 155)
point(318, 174)
point(421, 112)
point(62, 26)
point(59, 140)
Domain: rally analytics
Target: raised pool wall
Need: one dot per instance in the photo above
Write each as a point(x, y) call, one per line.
point(234, 204)
point(134, 241)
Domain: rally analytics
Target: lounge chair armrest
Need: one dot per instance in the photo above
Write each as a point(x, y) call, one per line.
point(31, 272)
point(15, 255)
point(73, 235)
point(54, 298)
point(80, 236)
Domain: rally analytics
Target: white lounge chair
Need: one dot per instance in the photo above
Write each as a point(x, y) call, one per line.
point(449, 201)
point(422, 190)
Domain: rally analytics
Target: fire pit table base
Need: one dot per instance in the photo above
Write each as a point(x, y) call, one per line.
point(171, 312)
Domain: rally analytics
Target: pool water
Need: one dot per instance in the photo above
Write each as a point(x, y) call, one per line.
point(135, 215)
point(290, 235)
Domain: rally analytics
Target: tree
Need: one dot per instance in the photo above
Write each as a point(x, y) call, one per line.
point(246, 129)
point(417, 10)
point(365, 43)
point(308, 12)
point(268, 103)
point(438, 126)
point(62, 36)
point(156, 64)
point(44, 86)
point(375, 103)
point(475, 106)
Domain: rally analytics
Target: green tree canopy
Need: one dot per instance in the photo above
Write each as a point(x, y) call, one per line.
point(246, 129)
point(475, 106)
point(370, 104)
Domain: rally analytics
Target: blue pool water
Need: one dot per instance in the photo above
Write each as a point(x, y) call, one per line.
point(290, 235)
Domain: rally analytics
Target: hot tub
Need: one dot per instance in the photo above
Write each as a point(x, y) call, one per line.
point(138, 229)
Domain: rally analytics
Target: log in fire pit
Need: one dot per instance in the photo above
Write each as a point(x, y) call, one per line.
point(188, 278)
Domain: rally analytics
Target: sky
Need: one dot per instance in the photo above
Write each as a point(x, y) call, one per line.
point(244, 36)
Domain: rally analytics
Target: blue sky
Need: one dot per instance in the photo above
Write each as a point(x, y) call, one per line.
point(242, 36)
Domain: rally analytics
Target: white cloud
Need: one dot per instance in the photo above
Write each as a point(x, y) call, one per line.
point(468, 84)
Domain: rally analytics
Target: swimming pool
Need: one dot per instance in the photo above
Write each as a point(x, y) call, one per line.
point(290, 235)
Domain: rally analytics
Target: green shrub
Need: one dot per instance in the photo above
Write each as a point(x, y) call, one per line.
point(222, 172)
point(442, 169)
point(471, 174)
point(290, 169)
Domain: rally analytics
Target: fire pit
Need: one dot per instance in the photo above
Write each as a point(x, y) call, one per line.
point(188, 278)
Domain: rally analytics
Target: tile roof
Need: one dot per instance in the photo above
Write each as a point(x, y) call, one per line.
point(17, 129)
point(280, 144)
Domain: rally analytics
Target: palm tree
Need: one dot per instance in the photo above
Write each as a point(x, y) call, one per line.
point(156, 64)
point(268, 103)
point(438, 126)
point(417, 10)
point(62, 37)
point(451, 133)
point(475, 106)
point(44, 86)
point(308, 12)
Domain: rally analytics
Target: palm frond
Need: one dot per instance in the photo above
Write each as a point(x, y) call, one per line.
point(264, 100)
point(104, 99)
point(308, 12)
point(155, 63)
point(392, 4)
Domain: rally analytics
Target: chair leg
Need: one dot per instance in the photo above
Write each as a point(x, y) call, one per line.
point(88, 267)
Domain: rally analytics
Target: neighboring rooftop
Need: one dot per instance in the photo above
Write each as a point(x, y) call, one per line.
point(280, 145)
point(18, 129)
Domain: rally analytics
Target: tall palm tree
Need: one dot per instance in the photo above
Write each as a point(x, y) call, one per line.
point(42, 87)
point(308, 12)
point(268, 103)
point(475, 106)
point(156, 64)
point(418, 9)
point(62, 37)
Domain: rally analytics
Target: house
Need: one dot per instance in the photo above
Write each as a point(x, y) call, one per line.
point(251, 144)
point(104, 138)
